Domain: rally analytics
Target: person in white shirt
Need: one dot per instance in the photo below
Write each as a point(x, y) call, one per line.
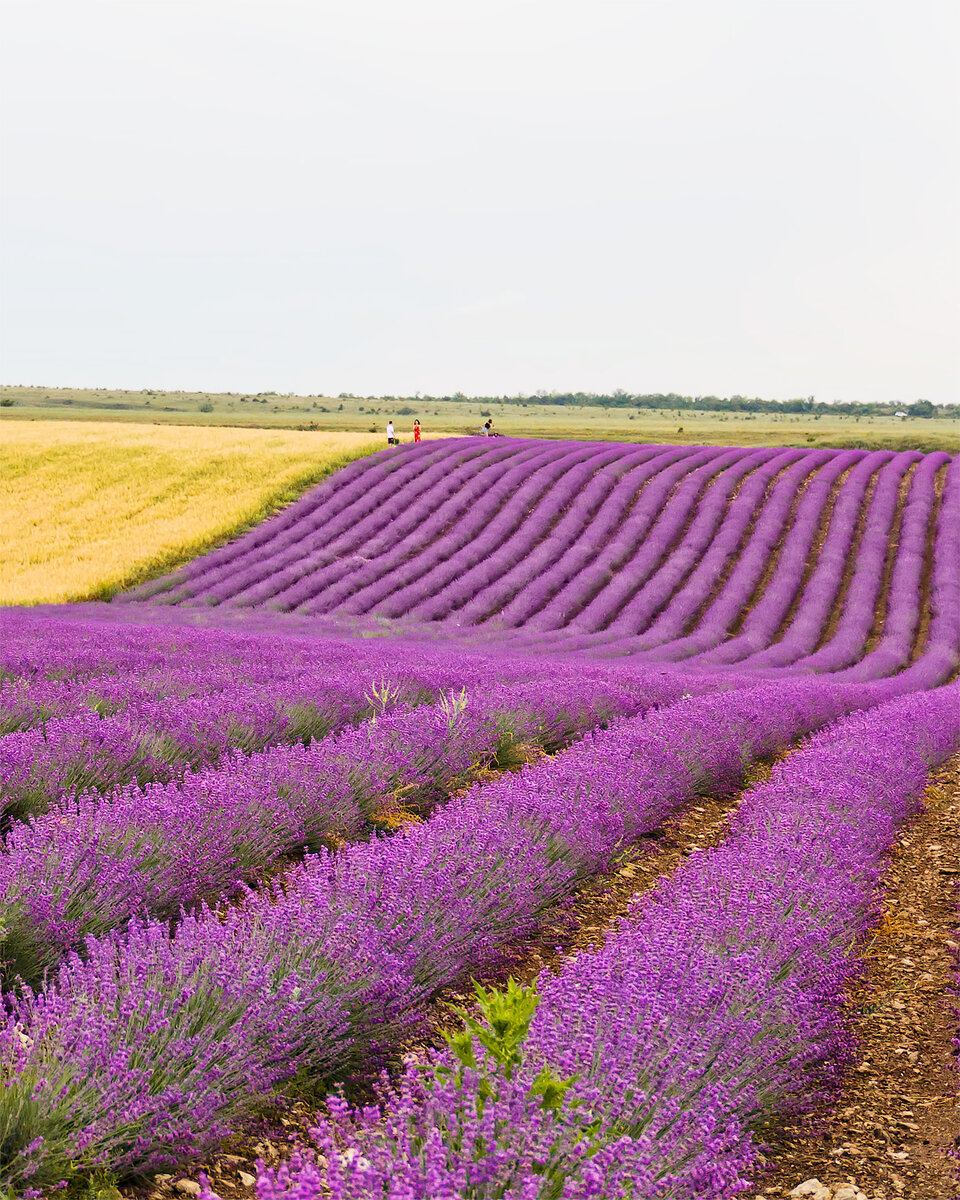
point(391, 440)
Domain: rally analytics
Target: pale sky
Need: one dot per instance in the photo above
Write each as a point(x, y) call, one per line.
point(393, 196)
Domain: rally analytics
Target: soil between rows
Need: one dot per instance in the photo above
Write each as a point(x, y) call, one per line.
point(897, 1118)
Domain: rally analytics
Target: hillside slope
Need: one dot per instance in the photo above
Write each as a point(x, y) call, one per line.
point(810, 560)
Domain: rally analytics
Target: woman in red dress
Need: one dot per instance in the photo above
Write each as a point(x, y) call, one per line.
point(416, 431)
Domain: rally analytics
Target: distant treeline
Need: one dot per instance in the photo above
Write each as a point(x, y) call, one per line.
point(670, 400)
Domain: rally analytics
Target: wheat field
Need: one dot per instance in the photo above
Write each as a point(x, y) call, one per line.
point(93, 507)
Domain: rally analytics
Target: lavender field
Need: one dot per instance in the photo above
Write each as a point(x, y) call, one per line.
point(259, 813)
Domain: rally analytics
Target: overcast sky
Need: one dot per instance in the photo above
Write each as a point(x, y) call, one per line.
point(392, 196)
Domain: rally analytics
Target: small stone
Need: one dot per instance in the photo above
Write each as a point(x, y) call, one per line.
point(812, 1188)
point(187, 1187)
point(247, 1179)
point(162, 1178)
point(232, 1159)
point(848, 1191)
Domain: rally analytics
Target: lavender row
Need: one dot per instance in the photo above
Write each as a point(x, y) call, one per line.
point(160, 739)
point(462, 503)
point(652, 572)
point(656, 535)
point(58, 648)
point(922, 661)
point(858, 610)
point(714, 508)
point(512, 537)
point(759, 510)
point(553, 530)
point(622, 542)
point(88, 865)
point(444, 492)
point(780, 589)
point(152, 724)
point(938, 650)
point(596, 548)
point(404, 575)
point(901, 614)
point(331, 539)
point(720, 614)
point(611, 513)
point(821, 590)
point(416, 587)
point(646, 1067)
point(451, 502)
point(150, 1048)
point(770, 609)
point(848, 650)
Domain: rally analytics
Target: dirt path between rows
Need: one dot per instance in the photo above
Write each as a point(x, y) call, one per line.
point(897, 1118)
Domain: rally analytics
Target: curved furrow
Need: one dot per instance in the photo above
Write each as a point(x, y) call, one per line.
point(418, 580)
point(335, 501)
point(813, 604)
point(935, 655)
point(766, 612)
point(709, 580)
point(471, 596)
point(351, 481)
point(693, 543)
point(579, 522)
point(844, 641)
point(433, 597)
point(939, 633)
point(889, 647)
point(662, 530)
point(401, 521)
point(931, 564)
point(410, 558)
point(326, 544)
point(605, 506)
point(615, 535)
point(443, 534)
point(576, 605)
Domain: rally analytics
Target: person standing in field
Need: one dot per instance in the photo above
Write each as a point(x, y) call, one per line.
point(390, 437)
point(416, 431)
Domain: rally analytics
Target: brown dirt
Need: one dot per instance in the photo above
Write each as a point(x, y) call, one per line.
point(710, 483)
point(883, 597)
point(734, 557)
point(771, 568)
point(853, 551)
point(926, 610)
point(898, 1114)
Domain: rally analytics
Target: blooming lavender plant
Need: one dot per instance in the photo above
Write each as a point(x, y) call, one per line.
point(355, 941)
point(90, 864)
point(718, 1004)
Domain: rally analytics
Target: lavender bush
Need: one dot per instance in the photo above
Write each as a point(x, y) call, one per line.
point(90, 864)
point(650, 1063)
point(354, 941)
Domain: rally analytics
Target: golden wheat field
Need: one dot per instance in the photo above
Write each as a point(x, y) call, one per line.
point(95, 507)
